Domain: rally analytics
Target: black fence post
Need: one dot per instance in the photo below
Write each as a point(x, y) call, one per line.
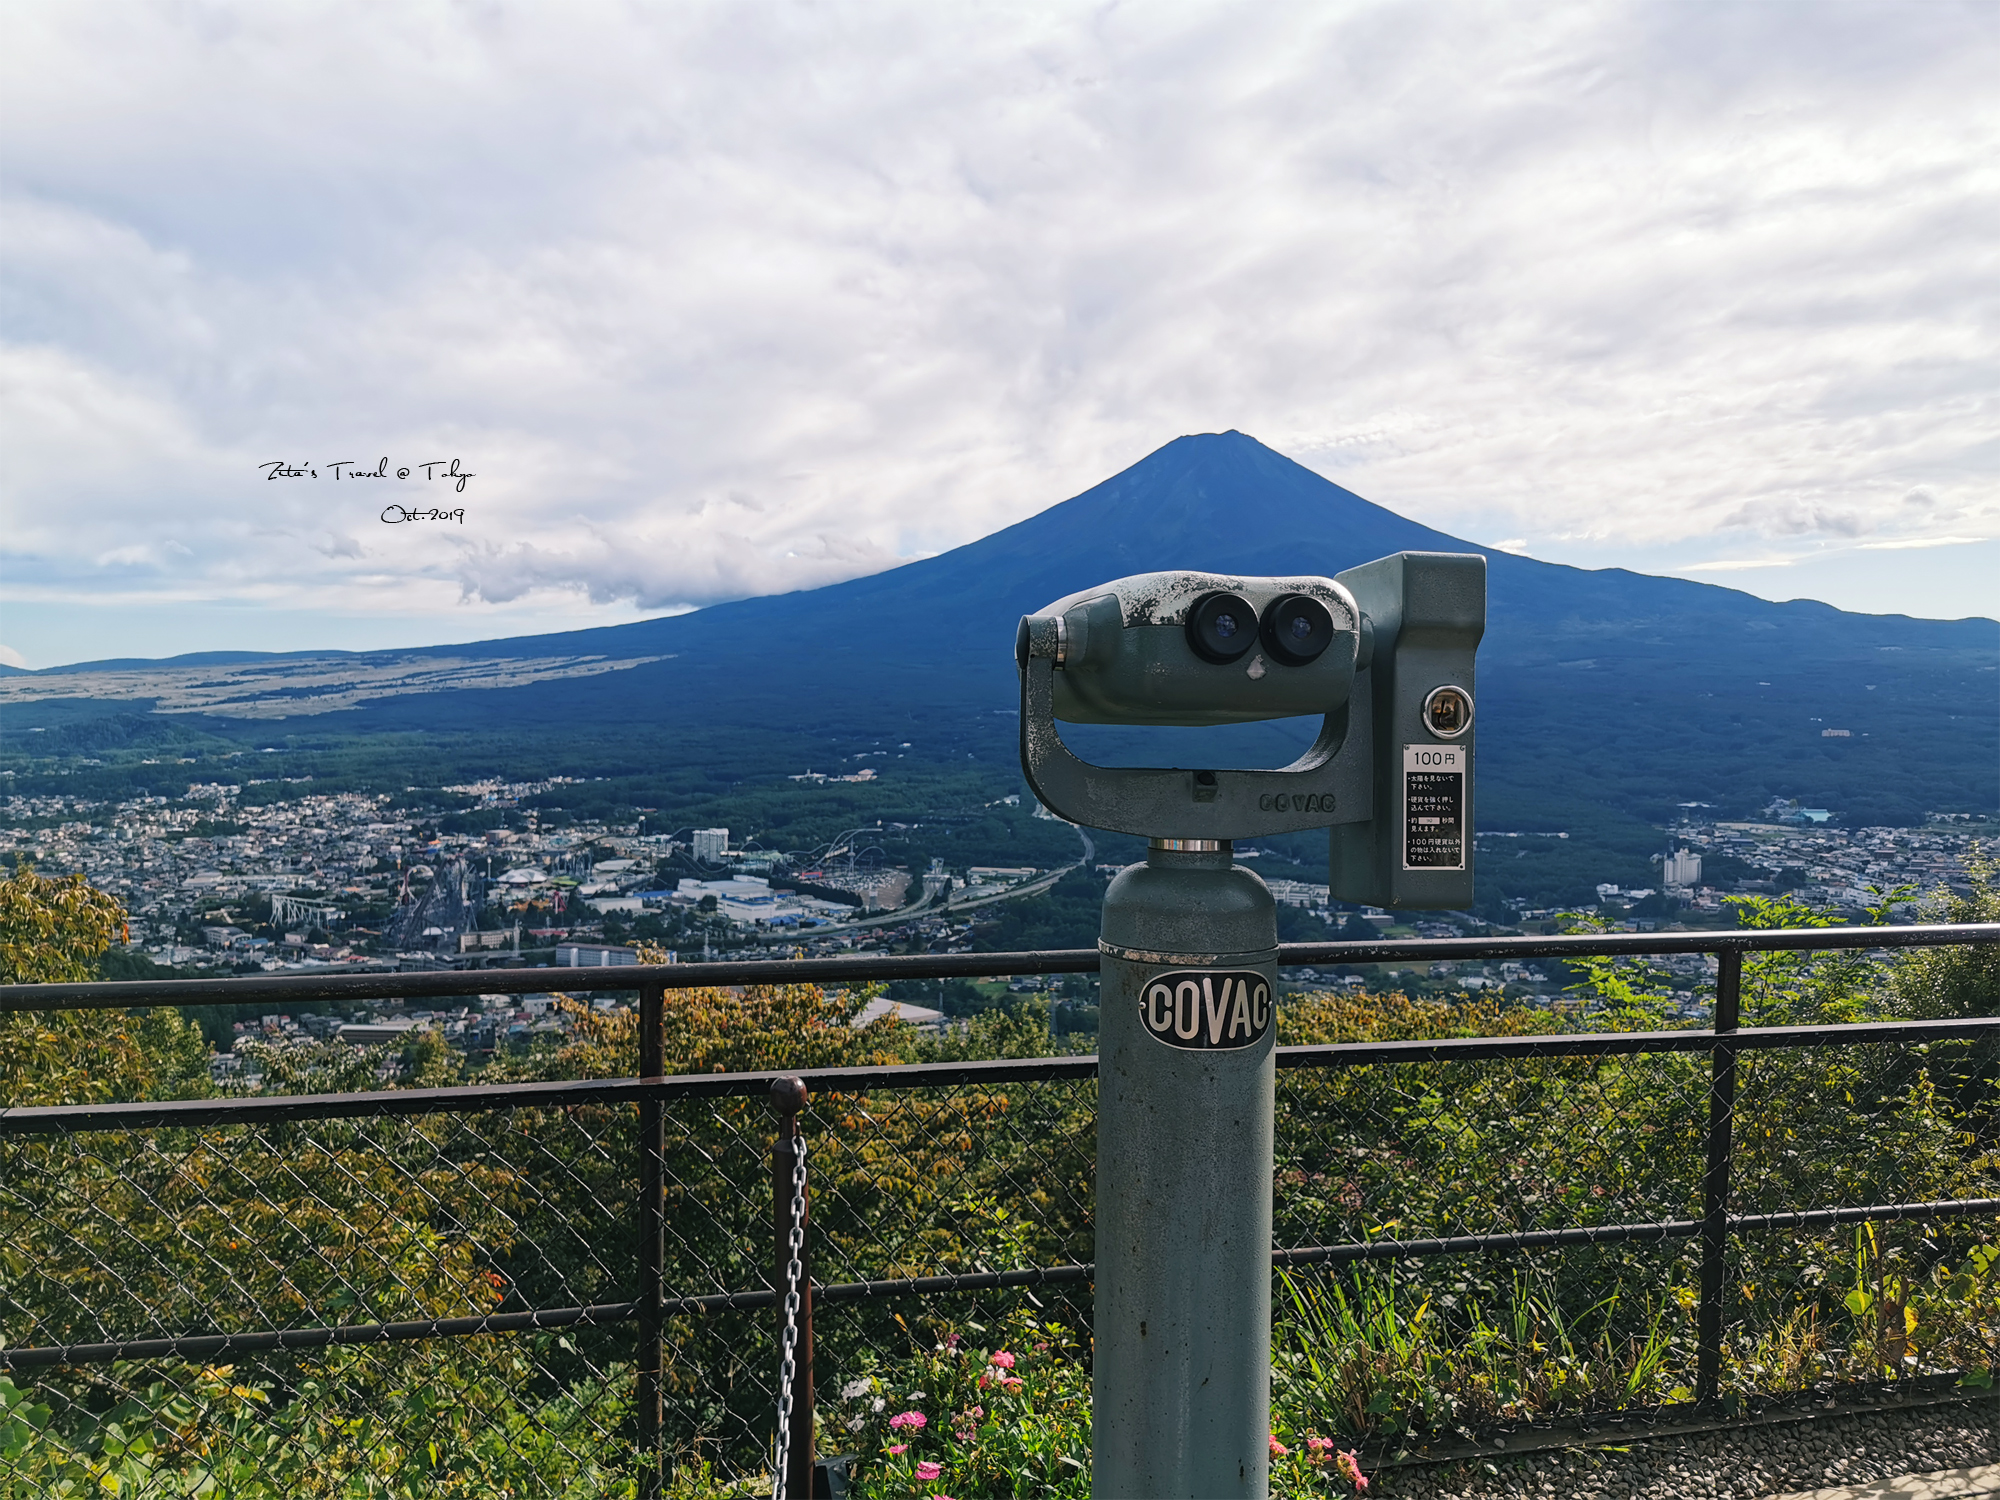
point(788, 1097)
point(652, 1239)
point(1715, 1179)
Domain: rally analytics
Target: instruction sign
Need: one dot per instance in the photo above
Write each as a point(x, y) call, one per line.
point(1207, 1010)
point(1434, 807)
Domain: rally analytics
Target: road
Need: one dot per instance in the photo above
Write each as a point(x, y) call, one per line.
point(924, 906)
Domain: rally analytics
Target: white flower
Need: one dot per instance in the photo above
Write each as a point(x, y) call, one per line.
point(855, 1388)
point(877, 1404)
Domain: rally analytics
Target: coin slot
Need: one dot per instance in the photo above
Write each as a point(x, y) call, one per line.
point(1448, 712)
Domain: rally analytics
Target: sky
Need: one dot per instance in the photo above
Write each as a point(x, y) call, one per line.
point(712, 300)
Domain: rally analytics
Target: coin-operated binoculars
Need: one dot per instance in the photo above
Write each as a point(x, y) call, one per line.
point(1189, 983)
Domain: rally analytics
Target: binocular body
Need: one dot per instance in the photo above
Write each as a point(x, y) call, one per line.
point(1382, 652)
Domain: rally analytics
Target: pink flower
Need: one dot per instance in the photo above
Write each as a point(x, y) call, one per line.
point(1319, 1449)
point(899, 1447)
point(1278, 1449)
point(951, 1340)
point(910, 1419)
point(1001, 1358)
point(929, 1470)
point(1351, 1467)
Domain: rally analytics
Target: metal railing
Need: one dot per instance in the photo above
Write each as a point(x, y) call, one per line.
point(514, 1161)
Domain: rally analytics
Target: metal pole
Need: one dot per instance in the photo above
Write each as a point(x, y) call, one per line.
point(652, 1239)
point(1715, 1179)
point(788, 1098)
point(1181, 1386)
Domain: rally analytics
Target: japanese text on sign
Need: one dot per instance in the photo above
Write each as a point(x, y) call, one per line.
point(1434, 807)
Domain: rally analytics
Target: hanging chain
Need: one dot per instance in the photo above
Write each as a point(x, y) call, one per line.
point(794, 1274)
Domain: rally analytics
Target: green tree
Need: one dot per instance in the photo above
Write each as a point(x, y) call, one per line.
point(53, 931)
point(1959, 983)
point(1805, 988)
point(1951, 983)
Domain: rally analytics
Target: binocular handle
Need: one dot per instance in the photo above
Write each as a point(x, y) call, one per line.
point(1331, 783)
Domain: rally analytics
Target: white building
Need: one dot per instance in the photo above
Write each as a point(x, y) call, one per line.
point(1682, 869)
point(750, 899)
point(1298, 893)
point(593, 955)
point(711, 844)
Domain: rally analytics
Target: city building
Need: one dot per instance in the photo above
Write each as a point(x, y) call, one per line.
point(593, 955)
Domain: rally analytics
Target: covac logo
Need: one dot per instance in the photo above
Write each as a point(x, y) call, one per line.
point(1296, 802)
point(1207, 1010)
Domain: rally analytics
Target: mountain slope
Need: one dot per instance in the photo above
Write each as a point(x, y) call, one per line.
point(1612, 687)
point(1601, 692)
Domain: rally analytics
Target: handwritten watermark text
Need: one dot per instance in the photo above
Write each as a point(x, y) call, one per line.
point(450, 470)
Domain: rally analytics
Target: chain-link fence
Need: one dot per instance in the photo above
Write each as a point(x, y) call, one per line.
point(573, 1288)
point(1590, 1224)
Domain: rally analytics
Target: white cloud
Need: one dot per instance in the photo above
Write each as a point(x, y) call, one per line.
point(12, 658)
point(1904, 543)
point(722, 299)
point(1737, 564)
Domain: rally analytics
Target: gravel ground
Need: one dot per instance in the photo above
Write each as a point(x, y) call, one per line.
point(1746, 1464)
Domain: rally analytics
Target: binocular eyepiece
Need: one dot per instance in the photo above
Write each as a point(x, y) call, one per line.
point(1221, 627)
point(1295, 629)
